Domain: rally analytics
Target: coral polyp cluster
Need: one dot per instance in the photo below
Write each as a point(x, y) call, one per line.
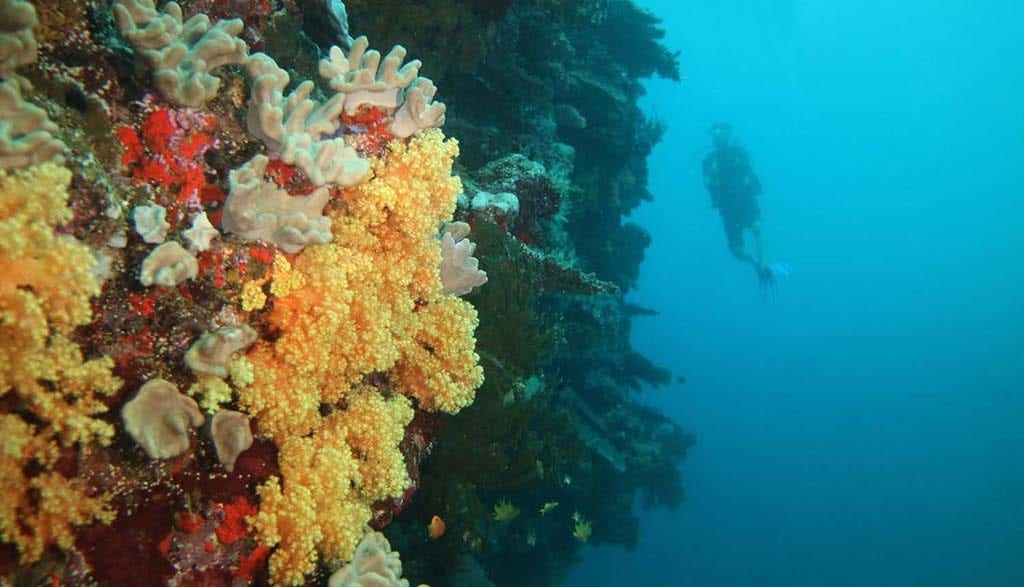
point(51, 395)
point(368, 303)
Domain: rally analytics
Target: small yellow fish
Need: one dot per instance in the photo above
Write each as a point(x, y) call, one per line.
point(474, 541)
point(436, 527)
point(505, 512)
point(548, 507)
point(582, 530)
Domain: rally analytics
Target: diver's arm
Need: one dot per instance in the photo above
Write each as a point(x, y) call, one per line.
point(714, 190)
point(715, 201)
point(750, 179)
point(711, 183)
point(754, 183)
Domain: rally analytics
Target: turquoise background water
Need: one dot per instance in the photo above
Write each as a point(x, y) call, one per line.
point(866, 428)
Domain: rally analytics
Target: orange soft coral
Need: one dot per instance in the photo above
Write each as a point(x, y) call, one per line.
point(349, 308)
point(44, 296)
point(440, 368)
point(313, 507)
point(369, 302)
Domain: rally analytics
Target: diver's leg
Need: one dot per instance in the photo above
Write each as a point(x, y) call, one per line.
point(734, 236)
point(740, 254)
point(755, 229)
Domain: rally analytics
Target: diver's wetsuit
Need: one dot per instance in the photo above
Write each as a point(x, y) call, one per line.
point(734, 188)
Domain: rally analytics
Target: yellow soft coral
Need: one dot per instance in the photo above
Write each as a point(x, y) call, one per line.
point(240, 371)
point(349, 308)
point(285, 280)
point(44, 296)
point(440, 368)
point(369, 302)
point(253, 297)
point(322, 503)
point(375, 426)
point(312, 507)
point(212, 392)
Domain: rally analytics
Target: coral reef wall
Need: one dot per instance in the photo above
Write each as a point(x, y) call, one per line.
point(553, 159)
point(257, 305)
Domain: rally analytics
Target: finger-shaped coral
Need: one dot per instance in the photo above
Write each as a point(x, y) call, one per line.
point(231, 436)
point(26, 133)
point(181, 54)
point(296, 126)
point(145, 27)
point(460, 270)
point(183, 75)
point(272, 117)
point(364, 79)
point(211, 353)
point(159, 418)
point(418, 111)
point(326, 162)
point(168, 265)
point(459, 230)
point(257, 209)
point(374, 564)
point(18, 45)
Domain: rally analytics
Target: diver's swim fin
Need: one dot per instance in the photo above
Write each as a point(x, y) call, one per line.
point(768, 277)
point(780, 269)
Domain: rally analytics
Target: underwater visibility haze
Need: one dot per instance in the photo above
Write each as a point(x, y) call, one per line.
point(864, 428)
point(500, 293)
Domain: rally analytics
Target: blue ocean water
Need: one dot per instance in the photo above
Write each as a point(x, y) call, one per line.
point(866, 427)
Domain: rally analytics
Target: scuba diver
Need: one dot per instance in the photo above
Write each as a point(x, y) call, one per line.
point(734, 188)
